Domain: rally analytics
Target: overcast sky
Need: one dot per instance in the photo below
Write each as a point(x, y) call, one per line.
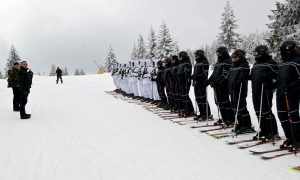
point(73, 32)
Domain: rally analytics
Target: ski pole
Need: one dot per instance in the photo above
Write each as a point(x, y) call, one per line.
point(237, 110)
point(196, 104)
point(260, 109)
point(206, 105)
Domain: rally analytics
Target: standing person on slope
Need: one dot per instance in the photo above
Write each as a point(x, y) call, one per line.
point(168, 81)
point(238, 89)
point(219, 82)
point(200, 76)
point(287, 96)
point(184, 79)
point(13, 82)
point(59, 75)
point(25, 79)
point(263, 76)
point(175, 86)
point(161, 84)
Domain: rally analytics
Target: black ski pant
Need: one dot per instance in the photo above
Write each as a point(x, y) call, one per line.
point(187, 104)
point(288, 114)
point(169, 93)
point(16, 98)
point(23, 102)
point(201, 99)
point(223, 102)
point(239, 106)
point(268, 125)
point(175, 94)
point(59, 78)
point(161, 92)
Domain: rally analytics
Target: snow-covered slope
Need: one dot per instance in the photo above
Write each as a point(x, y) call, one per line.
point(77, 131)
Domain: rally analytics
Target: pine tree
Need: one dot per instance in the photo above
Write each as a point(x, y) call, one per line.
point(276, 31)
point(151, 47)
point(111, 60)
point(53, 70)
point(1, 75)
point(12, 58)
point(81, 72)
point(140, 50)
point(191, 55)
point(291, 20)
point(133, 53)
point(77, 72)
point(65, 72)
point(165, 45)
point(176, 48)
point(228, 37)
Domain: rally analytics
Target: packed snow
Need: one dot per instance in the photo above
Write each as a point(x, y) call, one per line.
point(78, 131)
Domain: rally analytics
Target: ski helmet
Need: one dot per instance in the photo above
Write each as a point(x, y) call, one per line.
point(261, 50)
point(222, 50)
point(239, 53)
point(288, 47)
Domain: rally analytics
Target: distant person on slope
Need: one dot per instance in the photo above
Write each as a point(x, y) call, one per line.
point(25, 79)
point(59, 75)
point(13, 82)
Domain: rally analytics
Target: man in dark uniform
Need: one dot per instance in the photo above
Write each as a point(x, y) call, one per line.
point(238, 89)
point(161, 84)
point(200, 76)
point(59, 75)
point(287, 97)
point(184, 74)
point(25, 79)
point(263, 76)
point(13, 82)
point(219, 82)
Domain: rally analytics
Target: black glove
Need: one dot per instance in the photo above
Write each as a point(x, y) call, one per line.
point(207, 83)
point(9, 85)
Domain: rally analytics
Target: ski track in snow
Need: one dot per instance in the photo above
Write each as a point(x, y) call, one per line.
point(77, 131)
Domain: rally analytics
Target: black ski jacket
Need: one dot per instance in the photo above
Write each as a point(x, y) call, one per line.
point(201, 69)
point(184, 71)
point(239, 74)
point(220, 73)
point(264, 72)
point(289, 76)
point(25, 80)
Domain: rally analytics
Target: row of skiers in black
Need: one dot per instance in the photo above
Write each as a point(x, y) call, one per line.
point(229, 81)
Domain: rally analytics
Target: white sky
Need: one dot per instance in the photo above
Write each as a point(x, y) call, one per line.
point(49, 32)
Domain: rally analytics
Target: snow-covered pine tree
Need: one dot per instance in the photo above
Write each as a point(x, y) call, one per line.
point(176, 48)
point(210, 52)
point(140, 49)
point(77, 72)
point(228, 37)
point(165, 45)
point(53, 70)
point(12, 58)
point(276, 31)
point(133, 53)
point(111, 60)
point(81, 72)
point(291, 20)
point(1, 75)
point(151, 47)
point(65, 72)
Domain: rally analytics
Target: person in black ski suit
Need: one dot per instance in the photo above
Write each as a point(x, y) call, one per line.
point(263, 76)
point(200, 77)
point(287, 96)
point(59, 75)
point(238, 89)
point(161, 84)
point(13, 82)
point(168, 82)
point(25, 80)
point(184, 80)
point(219, 82)
point(175, 86)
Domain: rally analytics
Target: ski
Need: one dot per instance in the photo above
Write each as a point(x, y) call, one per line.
point(207, 125)
point(239, 141)
point(268, 151)
point(245, 146)
point(215, 129)
point(267, 157)
point(296, 168)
